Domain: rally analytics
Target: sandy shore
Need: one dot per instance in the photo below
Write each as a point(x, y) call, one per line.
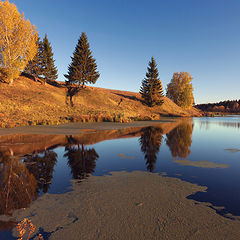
point(78, 128)
point(137, 205)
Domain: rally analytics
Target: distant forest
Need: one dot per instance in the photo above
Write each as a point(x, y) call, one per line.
point(232, 106)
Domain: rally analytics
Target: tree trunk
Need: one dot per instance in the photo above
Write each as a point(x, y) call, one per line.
point(10, 81)
point(11, 78)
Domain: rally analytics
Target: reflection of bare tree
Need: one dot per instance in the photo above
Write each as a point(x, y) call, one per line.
point(18, 187)
point(41, 165)
point(179, 140)
point(150, 141)
point(82, 161)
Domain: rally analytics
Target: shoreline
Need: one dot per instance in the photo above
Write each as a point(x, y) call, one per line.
point(26, 140)
point(79, 128)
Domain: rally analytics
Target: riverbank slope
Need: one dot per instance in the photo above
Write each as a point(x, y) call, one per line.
point(32, 103)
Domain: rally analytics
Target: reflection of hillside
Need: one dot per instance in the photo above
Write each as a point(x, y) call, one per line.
point(179, 140)
point(150, 141)
point(81, 160)
point(18, 187)
point(41, 166)
point(25, 144)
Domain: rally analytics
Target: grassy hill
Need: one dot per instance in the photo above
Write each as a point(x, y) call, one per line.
point(31, 103)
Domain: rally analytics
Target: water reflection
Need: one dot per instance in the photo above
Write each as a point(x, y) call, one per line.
point(150, 142)
point(228, 122)
point(81, 160)
point(41, 165)
point(26, 169)
point(30, 164)
point(27, 162)
point(179, 140)
point(18, 187)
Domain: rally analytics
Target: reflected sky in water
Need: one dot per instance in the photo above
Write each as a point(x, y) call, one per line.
point(205, 151)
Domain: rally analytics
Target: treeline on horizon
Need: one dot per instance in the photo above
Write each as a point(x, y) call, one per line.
point(229, 106)
point(22, 52)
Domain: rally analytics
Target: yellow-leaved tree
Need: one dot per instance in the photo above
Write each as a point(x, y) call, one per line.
point(180, 89)
point(18, 41)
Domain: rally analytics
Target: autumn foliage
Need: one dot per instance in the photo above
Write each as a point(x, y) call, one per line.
point(180, 89)
point(18, 41)
point(229, 106)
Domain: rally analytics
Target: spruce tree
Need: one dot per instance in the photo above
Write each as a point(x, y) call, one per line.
point(151, 89)
point(48, 67)
point(34, 67)
point(83, 68)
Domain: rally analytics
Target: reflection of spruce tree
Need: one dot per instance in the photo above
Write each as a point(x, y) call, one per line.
point(150, 141)
point(41, 166)
point(179, 140)
point(82, 161)
point(18, 187)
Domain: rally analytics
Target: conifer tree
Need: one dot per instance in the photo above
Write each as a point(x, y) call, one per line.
point(151, 89)
point(34, 66)
point(48, 67)
point(83, 68)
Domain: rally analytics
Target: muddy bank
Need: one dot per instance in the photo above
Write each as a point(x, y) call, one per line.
point(78, 128)
point(135, 205)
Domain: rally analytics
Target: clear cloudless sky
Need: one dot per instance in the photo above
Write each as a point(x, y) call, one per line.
point(199, 37)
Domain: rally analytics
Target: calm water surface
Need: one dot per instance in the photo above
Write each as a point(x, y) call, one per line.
point(205, 151)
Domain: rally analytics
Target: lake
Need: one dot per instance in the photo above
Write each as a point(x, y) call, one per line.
point(204, 151)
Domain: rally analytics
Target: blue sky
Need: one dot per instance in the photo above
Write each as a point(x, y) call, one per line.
point(199, 37)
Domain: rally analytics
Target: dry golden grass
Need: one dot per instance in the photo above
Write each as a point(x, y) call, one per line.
point(31, 103)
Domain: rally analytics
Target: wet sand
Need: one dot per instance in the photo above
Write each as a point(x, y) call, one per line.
point(136, 205)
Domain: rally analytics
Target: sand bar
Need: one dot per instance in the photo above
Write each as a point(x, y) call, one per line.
point(78, 128)
point(136, 205)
